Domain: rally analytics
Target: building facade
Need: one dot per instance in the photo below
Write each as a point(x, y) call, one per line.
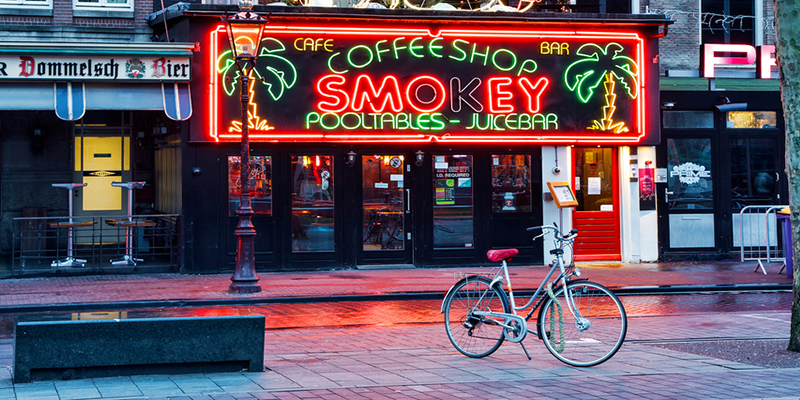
point(415, 143)
point(374, 145)
point(83, 88)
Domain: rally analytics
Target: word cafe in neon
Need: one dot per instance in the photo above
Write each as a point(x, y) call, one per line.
point(405, 138)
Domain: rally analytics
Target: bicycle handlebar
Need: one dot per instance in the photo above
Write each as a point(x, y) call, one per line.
point(556, 233)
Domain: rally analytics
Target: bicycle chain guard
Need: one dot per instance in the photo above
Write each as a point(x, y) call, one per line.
point(518, 329)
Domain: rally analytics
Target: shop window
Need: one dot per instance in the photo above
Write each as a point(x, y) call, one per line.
point(39, 4)
point(260, 184)
point(511, 183)
point(453, 212)
point(121, 5)
point(312, 203)
point(728, 21)
point(689, 174)
point(752, 120)
point(688, 119)
point(753, 173)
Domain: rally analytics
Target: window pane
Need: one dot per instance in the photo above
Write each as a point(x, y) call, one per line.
point(689, 119)
point(383, 201)
point(260, 184)
point(452, 201)
point(752, 119)
point(752, 160)
point(511, 183)
point(312, 203)
point(689, 177)
point(594, 170)
point(728, 21)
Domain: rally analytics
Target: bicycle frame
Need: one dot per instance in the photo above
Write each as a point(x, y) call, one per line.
point(502, 275)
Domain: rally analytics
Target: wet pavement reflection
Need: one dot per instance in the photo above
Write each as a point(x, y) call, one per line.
point(348, 313)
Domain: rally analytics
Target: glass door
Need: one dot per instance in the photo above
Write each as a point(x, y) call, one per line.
point(453, 202)
point(689, 194)
point(385, 209)
point(597, 216)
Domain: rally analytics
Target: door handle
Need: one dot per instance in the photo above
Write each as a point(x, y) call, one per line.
point(666, 194)
point(408, 201)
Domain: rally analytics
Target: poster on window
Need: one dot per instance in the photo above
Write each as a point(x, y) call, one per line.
point(647, 189)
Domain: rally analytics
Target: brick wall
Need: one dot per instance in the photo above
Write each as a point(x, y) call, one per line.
point(63, 16)
point(680, 49)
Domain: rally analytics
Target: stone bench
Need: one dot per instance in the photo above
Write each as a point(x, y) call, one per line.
point(53, 350)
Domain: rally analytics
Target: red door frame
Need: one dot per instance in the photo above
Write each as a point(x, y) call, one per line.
point(599, 236)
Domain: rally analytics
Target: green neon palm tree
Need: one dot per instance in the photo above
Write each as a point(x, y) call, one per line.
point(605, 66)
point(278, 73)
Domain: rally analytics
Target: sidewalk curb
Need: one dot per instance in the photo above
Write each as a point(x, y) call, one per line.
point(437, 295)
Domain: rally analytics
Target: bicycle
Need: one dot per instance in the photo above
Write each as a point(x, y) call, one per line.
point(582, 323)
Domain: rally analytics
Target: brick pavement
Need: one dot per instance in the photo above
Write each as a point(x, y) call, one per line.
point(384, 361)
point(417, 361)
point(23, 292)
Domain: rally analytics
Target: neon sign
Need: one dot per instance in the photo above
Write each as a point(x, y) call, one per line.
point(375, 84)
point(740, 54)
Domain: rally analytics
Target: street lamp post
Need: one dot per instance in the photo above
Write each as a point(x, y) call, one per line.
point(244, 35)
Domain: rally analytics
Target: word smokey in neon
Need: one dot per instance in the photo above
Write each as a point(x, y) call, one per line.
point(342, 83)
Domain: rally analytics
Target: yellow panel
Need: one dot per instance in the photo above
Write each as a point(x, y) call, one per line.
point(102, 153)
point(78, 153)
point(100, 195)
point(126, 153)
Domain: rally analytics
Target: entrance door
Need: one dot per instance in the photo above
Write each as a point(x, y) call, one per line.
point(99, 161)
point(314, 224)
point(385, 204)
point(597, 215)
point(689, 195)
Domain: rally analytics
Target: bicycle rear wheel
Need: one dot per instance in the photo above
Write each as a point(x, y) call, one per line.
point(474, 336)
point(593, 338)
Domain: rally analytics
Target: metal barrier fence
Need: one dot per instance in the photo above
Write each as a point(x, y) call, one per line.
point(95, 244)
point(759, 239)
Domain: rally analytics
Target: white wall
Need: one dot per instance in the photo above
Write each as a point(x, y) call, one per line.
point(648, 220)
point(552, 157)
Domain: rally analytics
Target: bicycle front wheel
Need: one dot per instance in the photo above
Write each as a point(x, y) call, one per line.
point(597, 332)
point(472, 335)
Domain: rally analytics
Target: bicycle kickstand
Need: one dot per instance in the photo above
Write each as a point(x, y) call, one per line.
point(525, 350)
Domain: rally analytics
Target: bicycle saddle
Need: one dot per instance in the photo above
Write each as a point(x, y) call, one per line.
point(501, 254)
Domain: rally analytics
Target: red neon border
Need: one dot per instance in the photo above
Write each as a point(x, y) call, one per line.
point(214, 89)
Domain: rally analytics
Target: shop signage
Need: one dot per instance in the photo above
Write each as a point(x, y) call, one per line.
point(739, 54)
point(333, 83)
point(690, 173)
point(83, 68)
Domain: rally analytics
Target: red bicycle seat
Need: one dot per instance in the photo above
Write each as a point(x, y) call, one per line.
point(501, 254)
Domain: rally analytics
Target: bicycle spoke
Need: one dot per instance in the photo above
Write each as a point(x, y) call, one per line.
point(474, 336)
point(585, 344)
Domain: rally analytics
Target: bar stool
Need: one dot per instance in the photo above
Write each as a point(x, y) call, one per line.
point(69, 261)
point(128, 258)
